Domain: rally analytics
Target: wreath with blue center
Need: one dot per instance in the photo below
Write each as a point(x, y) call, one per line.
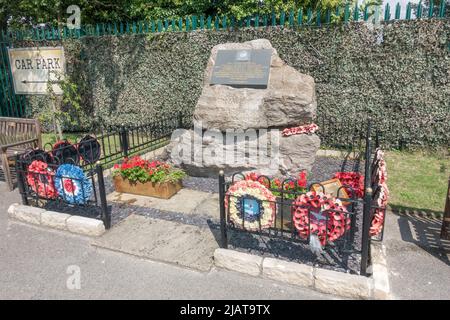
point(72, 184)
point(249, 208)
point(250, 205)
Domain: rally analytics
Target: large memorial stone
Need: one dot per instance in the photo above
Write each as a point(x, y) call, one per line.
point(241, 101)
point(249, 95)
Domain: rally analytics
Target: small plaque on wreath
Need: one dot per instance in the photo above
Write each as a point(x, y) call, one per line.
point(251, 205)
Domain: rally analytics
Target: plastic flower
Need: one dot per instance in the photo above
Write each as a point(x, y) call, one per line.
point(352, 181)
point(305, 129)
point(301, 181)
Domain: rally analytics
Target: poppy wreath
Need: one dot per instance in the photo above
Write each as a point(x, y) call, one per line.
point(329, 225)
point(383, 195)
point(250, 190)
point(72, 184)
point(89, 149)
point(40, 178)
point(381, 172)
point(379, 215)
point(65, 152)
point(353, 182)
point(305, 129)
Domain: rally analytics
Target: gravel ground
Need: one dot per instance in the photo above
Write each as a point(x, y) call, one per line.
point(343, 256)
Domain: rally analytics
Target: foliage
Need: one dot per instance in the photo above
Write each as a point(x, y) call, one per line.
point(53, 12)
point(137, 169)
point(418, 181)
point(64, 109)
point(398, 74)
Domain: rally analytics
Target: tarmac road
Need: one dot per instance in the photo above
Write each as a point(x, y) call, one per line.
point(39, 263)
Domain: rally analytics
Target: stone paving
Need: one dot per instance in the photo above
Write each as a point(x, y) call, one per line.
point(160, 229)
point(173, 242)
point(418, 260)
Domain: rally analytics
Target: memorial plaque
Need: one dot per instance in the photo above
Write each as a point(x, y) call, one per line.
point(246, 68)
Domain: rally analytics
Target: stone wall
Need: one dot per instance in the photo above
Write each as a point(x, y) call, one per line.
point(397, 73)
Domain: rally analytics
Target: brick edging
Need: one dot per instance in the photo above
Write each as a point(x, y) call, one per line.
point(57, 220)
point(323, 280)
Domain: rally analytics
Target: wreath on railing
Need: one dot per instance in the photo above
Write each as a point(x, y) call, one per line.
point(40, 178)
point(382, 195)
point(317, 213)
point(353, 182)
point(251, 205)
point(72, 184)
point(89, 149)
point(65, 152)
point(305, 129)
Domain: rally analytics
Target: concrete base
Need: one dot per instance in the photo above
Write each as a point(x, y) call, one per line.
point(327, 281)
point(167, 241)
point(56, 220)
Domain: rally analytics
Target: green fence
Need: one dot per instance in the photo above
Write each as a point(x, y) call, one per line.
point(15, 105)
point(297, 18)
point(11, 105)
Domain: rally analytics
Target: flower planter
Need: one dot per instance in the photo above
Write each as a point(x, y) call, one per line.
point(159, 190)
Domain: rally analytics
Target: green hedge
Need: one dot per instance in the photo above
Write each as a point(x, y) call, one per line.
point(398, 73)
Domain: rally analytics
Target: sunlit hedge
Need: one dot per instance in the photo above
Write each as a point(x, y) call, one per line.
point(397, 73)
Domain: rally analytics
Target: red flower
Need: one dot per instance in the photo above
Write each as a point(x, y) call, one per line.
point(252, 176)
point(302, 182)
point(309, 128)
point(353, 182)
point(69, 186)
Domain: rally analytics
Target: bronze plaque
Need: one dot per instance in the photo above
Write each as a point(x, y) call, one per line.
point(246, 68)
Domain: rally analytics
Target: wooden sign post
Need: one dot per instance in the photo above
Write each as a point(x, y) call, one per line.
point(445, 231)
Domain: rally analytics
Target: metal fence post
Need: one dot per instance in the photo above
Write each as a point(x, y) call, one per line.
point(124, 140)
point(223, 221)
point(106, 216)
point(445, 231)
point(365, 246)
point(20, 181)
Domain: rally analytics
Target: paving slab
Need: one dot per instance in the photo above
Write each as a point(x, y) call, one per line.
point(185, 245)
point(185, 201)
point(209, 207)
point(418, 260)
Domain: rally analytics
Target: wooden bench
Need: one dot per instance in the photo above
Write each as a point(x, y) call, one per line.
point(16, 135)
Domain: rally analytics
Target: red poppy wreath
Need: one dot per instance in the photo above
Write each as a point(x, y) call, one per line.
point(379, 215)
point(40, 178)
point(327, 218)
point(305, 129)
point(383, 195)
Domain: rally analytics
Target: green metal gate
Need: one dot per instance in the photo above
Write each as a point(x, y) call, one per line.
point(11, 105)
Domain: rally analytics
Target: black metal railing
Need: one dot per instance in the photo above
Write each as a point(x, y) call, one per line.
point(91, 154)
point(41, 184)
point(110, 146)
point(355, 208)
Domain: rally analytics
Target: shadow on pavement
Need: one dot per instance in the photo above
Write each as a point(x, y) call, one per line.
point(424, 231)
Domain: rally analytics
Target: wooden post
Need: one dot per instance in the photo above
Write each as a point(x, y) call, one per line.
point(445, 231)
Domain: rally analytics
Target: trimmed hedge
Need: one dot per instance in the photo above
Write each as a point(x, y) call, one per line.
point(397, 73)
